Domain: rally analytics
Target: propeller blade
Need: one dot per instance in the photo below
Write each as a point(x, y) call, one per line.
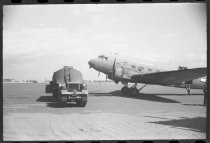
point(98, 73)
point(113, 68)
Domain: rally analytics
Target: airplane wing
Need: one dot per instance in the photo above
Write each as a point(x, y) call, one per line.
point(170, 77)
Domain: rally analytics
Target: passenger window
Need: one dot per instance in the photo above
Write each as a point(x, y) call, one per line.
point(102, 57)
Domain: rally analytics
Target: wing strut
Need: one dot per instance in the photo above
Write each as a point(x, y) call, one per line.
point(142, 87)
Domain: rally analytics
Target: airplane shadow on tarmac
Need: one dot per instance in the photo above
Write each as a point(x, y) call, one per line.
point(51, 103)
point(197, 124)
point(140, 96)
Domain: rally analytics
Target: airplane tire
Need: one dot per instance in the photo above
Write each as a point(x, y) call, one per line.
point(188, 91)
point(134, 91)
point(125, 89)
point(83, 101)
point(48, 89)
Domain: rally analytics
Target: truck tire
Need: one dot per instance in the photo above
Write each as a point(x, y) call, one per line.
point(48, 89)
point(55, 96)
point(83, 101)
point(61, 99)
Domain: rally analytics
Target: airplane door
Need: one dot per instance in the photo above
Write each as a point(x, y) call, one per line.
point(118, 72)
point(127, 72)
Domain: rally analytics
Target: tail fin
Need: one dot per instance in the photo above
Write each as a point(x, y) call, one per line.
point(184, 68)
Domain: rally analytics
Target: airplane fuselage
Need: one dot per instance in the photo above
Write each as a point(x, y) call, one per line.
point(118, 69)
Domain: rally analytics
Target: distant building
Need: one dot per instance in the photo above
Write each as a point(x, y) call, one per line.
point(46, 81)
point(31, 81)
point(6, 80)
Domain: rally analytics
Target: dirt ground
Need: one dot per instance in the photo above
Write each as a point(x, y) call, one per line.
point(156, 113)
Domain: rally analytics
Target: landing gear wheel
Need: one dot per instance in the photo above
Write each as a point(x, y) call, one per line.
point(188, 91)
point(134, 91)
point(83, 101)
point(125, 89)
point(48, 89)
point(187, 86)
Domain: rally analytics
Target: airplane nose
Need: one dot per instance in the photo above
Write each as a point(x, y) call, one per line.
point(91, 63)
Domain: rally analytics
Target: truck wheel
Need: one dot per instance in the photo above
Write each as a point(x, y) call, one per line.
point(62, 99)
point(83, 101)
point(48, 89)
point(55, 97)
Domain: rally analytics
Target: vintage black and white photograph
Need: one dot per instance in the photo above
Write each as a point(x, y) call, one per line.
point(104, 71)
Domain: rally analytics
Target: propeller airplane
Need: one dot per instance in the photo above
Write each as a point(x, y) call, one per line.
point(120, 70)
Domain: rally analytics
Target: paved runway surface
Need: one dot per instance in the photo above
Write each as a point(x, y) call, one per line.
point(157, 113)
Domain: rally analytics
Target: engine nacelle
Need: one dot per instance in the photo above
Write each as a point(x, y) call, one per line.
point(118, 72)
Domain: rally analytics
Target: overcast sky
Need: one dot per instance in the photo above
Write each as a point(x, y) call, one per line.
point(40, 39)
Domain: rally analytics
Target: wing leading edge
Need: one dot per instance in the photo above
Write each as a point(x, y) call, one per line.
point(170, 77)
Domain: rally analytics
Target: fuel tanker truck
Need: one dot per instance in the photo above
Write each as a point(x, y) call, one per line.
point(67, 85)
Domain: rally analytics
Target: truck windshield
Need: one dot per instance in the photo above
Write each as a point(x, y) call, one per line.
point(74, 86)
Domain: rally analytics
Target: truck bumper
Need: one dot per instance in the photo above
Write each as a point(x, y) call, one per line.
point(73, 95)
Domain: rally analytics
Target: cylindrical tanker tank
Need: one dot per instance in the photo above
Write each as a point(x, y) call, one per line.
point(67, 74)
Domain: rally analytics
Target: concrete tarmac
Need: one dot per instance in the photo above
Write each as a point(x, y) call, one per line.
point(156, 113)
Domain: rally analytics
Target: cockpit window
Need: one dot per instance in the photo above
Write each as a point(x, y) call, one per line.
point(102, 57)
point(133, 66)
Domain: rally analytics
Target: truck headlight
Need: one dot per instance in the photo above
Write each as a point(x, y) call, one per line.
point(84, 87)
point(75, 91)
point(63, 87)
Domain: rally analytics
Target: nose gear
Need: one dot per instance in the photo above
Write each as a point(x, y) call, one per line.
point(132, 90)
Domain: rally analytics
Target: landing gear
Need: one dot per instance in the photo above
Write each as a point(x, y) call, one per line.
point(125, 89)
point(188, 88)
point(142, 87)
point(133, 91)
